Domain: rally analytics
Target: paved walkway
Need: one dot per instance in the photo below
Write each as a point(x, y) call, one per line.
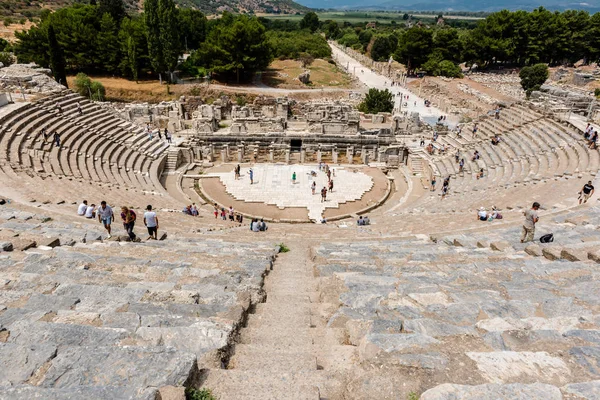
point(273, 185)
point(374, 80)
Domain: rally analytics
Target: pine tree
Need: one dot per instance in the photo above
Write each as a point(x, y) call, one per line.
point(115, 8)
point(169, 37)
point(152, 21)
point(57, 58)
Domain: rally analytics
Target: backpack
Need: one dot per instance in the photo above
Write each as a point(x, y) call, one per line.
point(548, 238)
point(132, 213)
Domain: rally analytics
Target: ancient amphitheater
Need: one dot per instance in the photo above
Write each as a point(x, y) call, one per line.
point(425, 302)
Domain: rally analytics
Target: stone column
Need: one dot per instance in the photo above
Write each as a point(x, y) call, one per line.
point(224, 155)
point(287, 155)
point(349, 154)
point(334, 155)
point(271, 154)
point(319, 155)
point(240, 154)
point(376, 153)
point(302, 155)
point(211, 152)
point(226, 150)
point(363, 155)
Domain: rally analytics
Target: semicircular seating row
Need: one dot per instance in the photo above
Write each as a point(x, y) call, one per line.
point(97, 147)
point(534, 151)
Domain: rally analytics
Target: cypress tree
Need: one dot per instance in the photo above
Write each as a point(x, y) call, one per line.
point(152, 21)
point(169, 37)
point(57, 58)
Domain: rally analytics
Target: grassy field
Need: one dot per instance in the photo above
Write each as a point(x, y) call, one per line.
point(357, 17)
point(283, 74)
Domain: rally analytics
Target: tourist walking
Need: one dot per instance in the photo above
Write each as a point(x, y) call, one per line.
point(57, 139)
point(128, 216)
point(433, 182)
point(313, 187)
point(168, 136)
point(586, 192)
point(331, 186)
point(216, 211)
point(79, 109)
point(531, 218)
point(151, 222)
point(251, 173)
point(294, 177)
point(323, 194)
point(106, 216)
point(328, 175)
point(231, 214)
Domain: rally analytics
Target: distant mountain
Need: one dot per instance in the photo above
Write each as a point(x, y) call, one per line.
point(451, 5)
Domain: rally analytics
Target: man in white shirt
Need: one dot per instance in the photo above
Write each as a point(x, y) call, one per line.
point(82, 207)
point(106, 216)
point(151, 222)
point(90, 212)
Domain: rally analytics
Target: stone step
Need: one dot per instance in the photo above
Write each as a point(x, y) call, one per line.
point(271, 361)
point(284, 336)
point(269, 320)
point(251, 385)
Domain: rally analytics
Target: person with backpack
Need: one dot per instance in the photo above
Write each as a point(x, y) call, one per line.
point(128, 216)
point(531, 218)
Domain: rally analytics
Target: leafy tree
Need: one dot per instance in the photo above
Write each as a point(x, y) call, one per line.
point(306, 59)
point(115, 8)
point(533, 77)
point(448, 44)
point(3, 44)
point(332, 29)
point(192, 28)
point(377, 101)
point(57, 58)
point(382, 48)
point(108, 42)
point(162, 33)
point(405, 16)
point(414, 46)
point(132, 39)
point(310, 21)
point(364, 37)
point(289, 45)
point(235, 45)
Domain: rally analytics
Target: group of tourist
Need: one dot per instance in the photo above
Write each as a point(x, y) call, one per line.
point(363, 220)
point(150, 132)
point(191, 210)
point(106, 217)
point(55, 136)
point(591, 136)
point(258, 226)
point(225, 215)
point(483, 215)
point(445, 186)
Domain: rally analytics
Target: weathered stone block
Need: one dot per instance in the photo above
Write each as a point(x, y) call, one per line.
point(515, 391)
point(552, 252)
point(534, 250)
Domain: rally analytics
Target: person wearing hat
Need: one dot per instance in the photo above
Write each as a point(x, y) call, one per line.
point(482, 214)
point(531, 218)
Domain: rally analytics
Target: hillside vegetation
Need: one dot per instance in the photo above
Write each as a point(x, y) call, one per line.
point(15, 11)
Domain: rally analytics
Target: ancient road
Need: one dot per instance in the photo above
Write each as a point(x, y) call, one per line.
point(372, 79)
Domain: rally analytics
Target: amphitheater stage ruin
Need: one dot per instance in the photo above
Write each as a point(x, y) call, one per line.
point(426, 302)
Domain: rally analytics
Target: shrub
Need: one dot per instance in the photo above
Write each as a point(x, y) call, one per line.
point(283, 248)
point(533, 77)
point(88, 88)
point(199, 394)
point(377, 101)
point(7, 58)
point(83, 84)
